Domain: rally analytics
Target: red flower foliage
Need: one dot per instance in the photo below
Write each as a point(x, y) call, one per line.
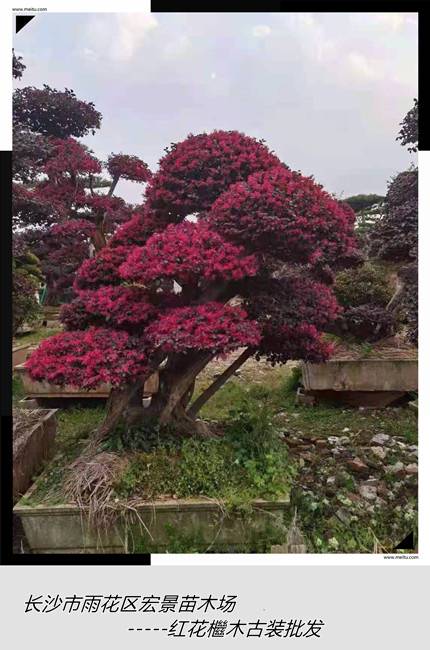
point(59, 180)
point(101, 203)
point(18, 66)
point(70, 156)
point(80, 229)
point(30, 208)
point(188, 252)
point(87, 359)
point(263, 234)
point(215, 327)
point(103, 269)
point(134, 232)
point(395, 237)
point(121, 306)
point(297, 342)
point(291, 300)
point(369, 322)
point(60, 194)
point(131, 168)
point(193, 173)
point(287, 214)
point(54, 112)
point(74, 316)
point(63, 247)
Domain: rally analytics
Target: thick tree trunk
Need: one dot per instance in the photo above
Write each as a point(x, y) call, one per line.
point(179, 381)
point(116, 408)
point(169, 405)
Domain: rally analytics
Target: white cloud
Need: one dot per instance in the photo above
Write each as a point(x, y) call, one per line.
point(392, 20)
point(178, 47)
point(362, 66)
point(89, 53)
point(132, 29)
point(312, 36)
point(306, 19)
point(117, 36)
point(261, 31)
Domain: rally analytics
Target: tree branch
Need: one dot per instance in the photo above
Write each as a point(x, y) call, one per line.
point(219, 381)
point(115, 180)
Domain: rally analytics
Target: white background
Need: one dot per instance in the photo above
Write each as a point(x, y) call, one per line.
point(377, 608)
point(364, 607)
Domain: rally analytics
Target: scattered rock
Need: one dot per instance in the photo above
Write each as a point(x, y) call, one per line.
point(354, 477)
point(357, 465)
point(368, 491)
point(374, 482)
point(380, 439)
point(397, 469)
point(380, 452)
point(412, 468)
point(321, 442)
point(382, 489)
point(343, 515)
point(413, 451)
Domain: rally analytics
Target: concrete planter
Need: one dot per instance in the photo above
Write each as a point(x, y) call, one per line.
point(19, 354)
point(51, 316)
point(64, 528)
point(31, 449)
point(45, 390)
point(366, 382)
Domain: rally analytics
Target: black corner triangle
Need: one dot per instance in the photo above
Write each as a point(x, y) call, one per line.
point(21, 21)
point(407, 544)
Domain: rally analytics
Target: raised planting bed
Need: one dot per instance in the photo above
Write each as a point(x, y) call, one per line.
point(33, 437)
point(20, 354)
point(43, 390)
point(361, 382)
point(65, 529)
point(51, 316)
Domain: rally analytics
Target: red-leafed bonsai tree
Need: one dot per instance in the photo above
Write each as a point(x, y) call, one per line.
point(250, 271)
point(63, 207)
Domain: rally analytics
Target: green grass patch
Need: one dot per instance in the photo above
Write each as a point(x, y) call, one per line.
point(17, 388)
point(250, 461)
point(33, 338)
point(319, 420)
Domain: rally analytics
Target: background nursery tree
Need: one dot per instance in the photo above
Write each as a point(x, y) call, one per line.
point(396, 236)
point(26, 278)
point(59, 208)
point(251, 270)
point(368, 209)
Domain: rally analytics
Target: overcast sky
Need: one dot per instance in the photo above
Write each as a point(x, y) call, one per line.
point(326, 91)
